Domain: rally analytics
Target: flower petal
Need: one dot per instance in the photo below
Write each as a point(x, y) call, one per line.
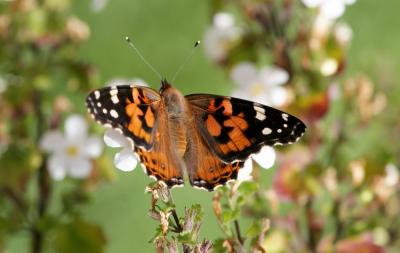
point(51, 141)
point(343, 33)
point(244, 74)
point(312, 3)
point(278, 96)
point(56, 165)
point(218, 41)
point(115, 139)
point(245, 172)
point(332, 9)
point(75, 127)
point(241, 93)
point(223, 20)
point(266, 157)
point(98, 5)
point(272, 76)
point(349, 2)
point(93, 147)
point(125, 160)
point(79, 167)
point(126, 81)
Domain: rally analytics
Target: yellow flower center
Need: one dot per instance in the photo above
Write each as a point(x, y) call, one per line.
point(72, 150)
point(256, 89)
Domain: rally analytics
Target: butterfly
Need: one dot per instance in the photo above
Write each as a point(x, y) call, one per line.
point(204, 137)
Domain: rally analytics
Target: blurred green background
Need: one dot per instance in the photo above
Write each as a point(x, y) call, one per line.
point(164, 31)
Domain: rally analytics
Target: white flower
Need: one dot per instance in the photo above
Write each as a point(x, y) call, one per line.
point(323, 28)
point(98, 5)
point(71, 154)
point(221, 37)
point(343, 33)
point(265, 158)
point(124, 160)
point(263, 86)
point(392, 175)
point(126, 81)
point(331, 9)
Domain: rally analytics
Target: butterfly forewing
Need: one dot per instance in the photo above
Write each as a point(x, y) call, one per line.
point(236, 128)
point(132, 109)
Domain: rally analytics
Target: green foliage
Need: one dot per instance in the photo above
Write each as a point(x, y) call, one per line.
point(79, 236)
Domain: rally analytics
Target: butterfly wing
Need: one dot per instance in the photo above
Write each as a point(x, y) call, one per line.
point(205, 169)
point(132, 109)
point(235, 129)
point(138, 113)
point(162, 162)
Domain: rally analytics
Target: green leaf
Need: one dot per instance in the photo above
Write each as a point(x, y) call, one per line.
point(254, 230)
point(218, 246)
point(230, 215)
point(185, 237)
point(17, 163)
point(198, 209)
point(79, 237)
point(247, 188)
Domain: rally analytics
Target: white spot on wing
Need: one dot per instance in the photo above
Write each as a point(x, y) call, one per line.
point(105, 111)
point(279, 130)
point(98, 104)
point(176, 185)
point(153, 177)
point(285, 116)
point(266, 131)
point(115, 99)
point(114, 113)
point(113, 91)
point(260, 116)
point(259, 109)
point(97, 94)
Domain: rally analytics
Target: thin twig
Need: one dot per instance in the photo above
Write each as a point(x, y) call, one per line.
point(43, 182)
point(239, 236)
point(312, 240)
point(176, 219)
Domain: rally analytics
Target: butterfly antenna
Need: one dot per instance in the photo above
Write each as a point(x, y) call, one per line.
point(141, 57)
point(196, 44)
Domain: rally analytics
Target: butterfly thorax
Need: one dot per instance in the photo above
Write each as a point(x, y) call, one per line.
point(177, 111)
point(174, 102)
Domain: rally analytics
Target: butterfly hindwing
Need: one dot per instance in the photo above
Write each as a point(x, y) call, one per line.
point(132, 109)
point(162, 161)
point(236, 128)
point(205, 169)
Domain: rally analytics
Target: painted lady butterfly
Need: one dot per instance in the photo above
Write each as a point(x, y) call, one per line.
point(207, 137)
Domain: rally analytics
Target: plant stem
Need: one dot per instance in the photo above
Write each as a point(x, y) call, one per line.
point(312, 240)
point(43, 183)
point(176, 219)
point(239, 236)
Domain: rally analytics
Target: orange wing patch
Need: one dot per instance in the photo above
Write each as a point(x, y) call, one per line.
point(159, 166)
point(141, 123)
point(225, 104)
point(213, 173)
point(213, 127)
point(205, 169)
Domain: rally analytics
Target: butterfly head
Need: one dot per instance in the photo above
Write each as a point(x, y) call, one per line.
point(164, 86)
point(173, 99)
